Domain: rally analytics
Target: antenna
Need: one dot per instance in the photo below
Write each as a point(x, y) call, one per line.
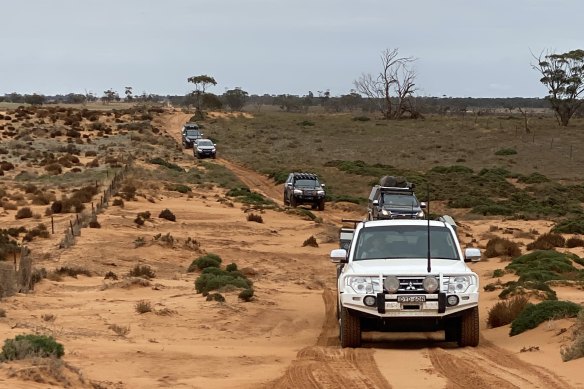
point(428, 218)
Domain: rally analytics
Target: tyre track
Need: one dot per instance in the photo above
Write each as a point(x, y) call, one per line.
point(488, 366)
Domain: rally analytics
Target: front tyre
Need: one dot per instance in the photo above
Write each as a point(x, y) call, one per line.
point(321, 205)
point(293, 202)
point(350, 329)
point(469, 328)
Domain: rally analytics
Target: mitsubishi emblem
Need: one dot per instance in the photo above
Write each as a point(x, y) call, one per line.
point(410, 286)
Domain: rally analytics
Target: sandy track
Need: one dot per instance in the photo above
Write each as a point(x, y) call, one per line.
point(326, 365)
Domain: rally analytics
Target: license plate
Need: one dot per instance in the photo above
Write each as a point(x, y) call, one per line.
point(411, 299)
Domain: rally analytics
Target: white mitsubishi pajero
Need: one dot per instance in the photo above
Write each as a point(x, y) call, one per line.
point(407, 275)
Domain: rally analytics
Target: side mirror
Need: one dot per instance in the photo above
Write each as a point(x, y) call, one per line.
point(289, 184)
point(472, 255)
point(375, 202)
point(339, 256)
point(423, 205)
point(322, 185)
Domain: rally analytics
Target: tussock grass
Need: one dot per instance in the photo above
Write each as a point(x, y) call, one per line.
point(504, 312)
point(534, 315)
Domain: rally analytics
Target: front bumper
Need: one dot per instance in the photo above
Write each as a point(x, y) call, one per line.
point(387, 306)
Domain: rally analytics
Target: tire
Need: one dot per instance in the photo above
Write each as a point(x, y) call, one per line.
point(293, 202)
point(285, 201)
point(469, 328)
point(321, 205)
point(350, 329)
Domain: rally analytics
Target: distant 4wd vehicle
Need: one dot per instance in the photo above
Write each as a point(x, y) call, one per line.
point(304, 188)
point(204, 148)
point(407, 275)
point(190, 132)
point(394, 198)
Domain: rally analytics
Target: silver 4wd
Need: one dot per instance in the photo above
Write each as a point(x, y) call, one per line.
point(407, 275)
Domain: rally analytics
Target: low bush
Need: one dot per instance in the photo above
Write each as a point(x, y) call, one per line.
point(119, 330)
point(128, 192)
point(145, 215)
point(205, 261)
point(571, 226)
point(544, 265)
point(547, 242)
point(252, 217)
point(535, 314)
point(246, 196)
point(539, 289)
point(574, 242)
point(506, 151)
point(72, 271)
point(216, 297)
point(139, 221)
point(576, 349)
point(219, 279)
point(168, 165)
point(180, 188)
point(118, 203)
point(497, 247)
point(94, 224)
point(168, 215)
point(231, 267)
point(23, 213)
point(498, 273)
point(310, 242)
point(143, 271)
point(25, 346)
point(143, 306)
point(110, 275)
point(246, 295)
point(504, 312)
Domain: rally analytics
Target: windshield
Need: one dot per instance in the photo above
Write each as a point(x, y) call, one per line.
point(205, 143)
point(307, 183)
point(399, 200)
point(402, 241)
point(192, 132)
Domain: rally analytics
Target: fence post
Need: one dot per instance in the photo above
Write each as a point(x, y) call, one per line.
point(52, 225)
point(71, 225)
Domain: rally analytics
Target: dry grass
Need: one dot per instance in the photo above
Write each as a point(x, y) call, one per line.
point(119, 330)
point(504, 312)
point(143, 306)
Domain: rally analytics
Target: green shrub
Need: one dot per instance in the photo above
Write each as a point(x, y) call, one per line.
point(547, 242)
point(506, 151)
point(571, 226)
point(144, 215)
point(504, 312)
point(514, 288)
point(168, 165)
point(208, 281)
point(543, 265)
point(143, 271)
point(246, 295)
point(139, 221)
point(205, 261)
point(498, 273)
point(180, 188)
point(361, 119)
point(167, 214)
point(231, 267)
point(533, 178)
point(110, 275)
point(118, 203)
point(24, 346)
point(246, 196)
point(497, 247)
point(533, 315)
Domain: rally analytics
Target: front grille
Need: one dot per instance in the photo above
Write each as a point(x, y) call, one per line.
point(410, 285)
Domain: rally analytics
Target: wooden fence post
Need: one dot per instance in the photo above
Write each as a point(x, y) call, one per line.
point(52, 225)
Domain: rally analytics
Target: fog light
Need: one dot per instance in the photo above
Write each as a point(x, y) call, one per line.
point(430, 284)
point(391, 283)
point(370, 301)
point(452, 300)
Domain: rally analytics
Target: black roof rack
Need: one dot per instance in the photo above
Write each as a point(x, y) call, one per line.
point(305, 176)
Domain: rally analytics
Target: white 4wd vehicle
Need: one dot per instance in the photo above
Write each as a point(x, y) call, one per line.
point(407, 275)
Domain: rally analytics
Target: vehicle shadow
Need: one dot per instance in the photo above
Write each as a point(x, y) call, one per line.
point(406, 340)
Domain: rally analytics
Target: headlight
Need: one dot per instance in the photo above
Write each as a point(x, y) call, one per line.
point(320, 192)
point(459, 284)
point(297, 191)
point(364, 284)
point(430, 284)
point(420, 215)
point(199, 150)
point(385, 212)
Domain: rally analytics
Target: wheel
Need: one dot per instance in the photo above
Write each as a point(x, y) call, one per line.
point(314, 206)
point(214, 156)
point(293, 202)
point(469, 328)
point(321, 205)
point(285, 200)
point(350, 329)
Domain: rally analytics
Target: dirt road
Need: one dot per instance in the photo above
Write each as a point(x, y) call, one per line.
point(390, 360)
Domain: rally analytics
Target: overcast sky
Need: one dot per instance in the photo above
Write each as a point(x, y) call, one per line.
point(476, 48)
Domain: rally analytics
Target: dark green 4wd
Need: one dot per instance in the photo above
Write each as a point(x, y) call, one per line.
point(304, 188)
